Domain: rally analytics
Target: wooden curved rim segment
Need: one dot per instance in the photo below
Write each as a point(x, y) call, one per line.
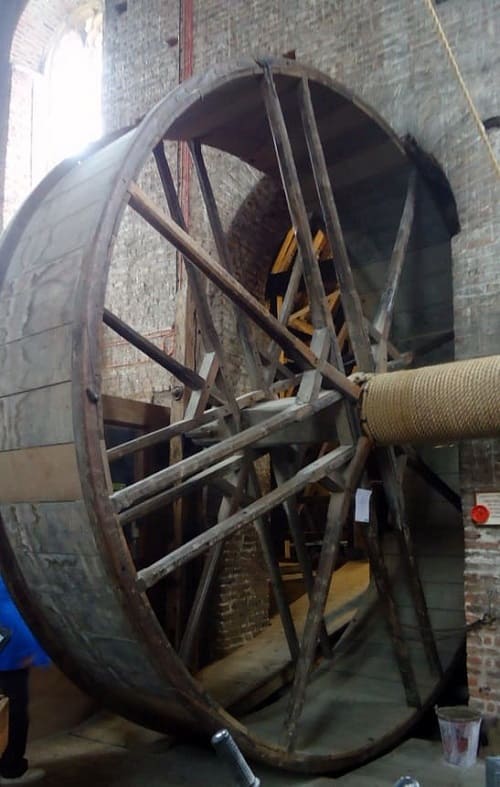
point(325, 703)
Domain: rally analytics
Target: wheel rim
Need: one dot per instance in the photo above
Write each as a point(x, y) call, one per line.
point(160, 690)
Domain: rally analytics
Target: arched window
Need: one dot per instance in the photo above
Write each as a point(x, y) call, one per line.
point(55, 96)
point(67, 100)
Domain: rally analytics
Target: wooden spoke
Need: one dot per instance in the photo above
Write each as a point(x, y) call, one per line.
point(183, 373)
point(188, 551)
point(156, 483)
point(208, 372)
point(236, 292)
point(383, 318)
point(248, 344)
point(392, 351)
point(311, 381)
point(183, 488)
point(337, 515)
point(403, 362)
point(385, 591)
point(282, 471)
point(229, 505)
point(350, 299)
point(417, 464)
point(389, 475)
point(320, 313)
point(273, 349)
point(213, 415)
point(211, 339)
point(272, 565)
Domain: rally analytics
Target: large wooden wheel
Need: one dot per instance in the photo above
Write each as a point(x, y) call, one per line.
point(64, 546)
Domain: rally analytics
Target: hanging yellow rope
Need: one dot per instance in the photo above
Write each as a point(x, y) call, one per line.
point(468, 97)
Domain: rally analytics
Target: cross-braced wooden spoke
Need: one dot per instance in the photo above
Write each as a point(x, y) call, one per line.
point(212, 548)
point(322, 363)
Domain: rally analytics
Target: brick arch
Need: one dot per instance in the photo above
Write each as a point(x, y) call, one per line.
point(40, 25)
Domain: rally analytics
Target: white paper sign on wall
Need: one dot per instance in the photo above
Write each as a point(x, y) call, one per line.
point(362, 505)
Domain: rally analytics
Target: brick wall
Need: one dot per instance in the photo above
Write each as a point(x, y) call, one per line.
point(388, 52)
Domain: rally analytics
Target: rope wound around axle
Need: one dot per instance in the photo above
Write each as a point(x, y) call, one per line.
point(436, 404)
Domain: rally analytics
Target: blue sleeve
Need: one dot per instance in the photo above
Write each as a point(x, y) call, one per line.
point(22, 645)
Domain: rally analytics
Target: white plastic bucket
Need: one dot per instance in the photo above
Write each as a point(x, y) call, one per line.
point(459, 728)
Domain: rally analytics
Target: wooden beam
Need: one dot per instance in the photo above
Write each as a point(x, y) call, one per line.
point(383, 318)
point(149, 576)
point(131, 412)
point(209, 368)
point(385, 591)
point(235, 291)
point(337, 515)
point(210, 337)
point(351, 303)
point(183, 373)
point(147, 487)
point(177, 428)
point(229, 505)
point(206, 476)
point(282, 471)
point(417, 464)
point(388, 472)
point(320, 313)
point(248, 344)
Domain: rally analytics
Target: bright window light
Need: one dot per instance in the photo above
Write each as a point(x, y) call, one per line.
point(73, 94)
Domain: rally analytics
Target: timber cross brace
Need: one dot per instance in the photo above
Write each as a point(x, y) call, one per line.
point(297, 424)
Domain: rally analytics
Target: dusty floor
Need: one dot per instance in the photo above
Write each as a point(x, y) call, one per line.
point(109, 752)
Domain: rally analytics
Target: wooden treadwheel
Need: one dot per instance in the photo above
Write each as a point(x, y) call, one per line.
point(63, 541)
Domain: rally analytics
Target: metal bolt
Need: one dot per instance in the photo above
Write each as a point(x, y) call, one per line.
point(177, 392)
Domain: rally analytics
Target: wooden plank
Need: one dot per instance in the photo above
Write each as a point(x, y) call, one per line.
point(49, 527)
point(148, 487)
point(337, 515)
point(350, 299)
point(131, 412)
point(388, 472)
point(273, 348)
point(310, 385)
point(152, 574)
point(180, 427)
point(210, 337)
point(268, 548)
point(40, 299)
point(282, 471)
point(320, 313)
point(40, 474)
point(191, 485)
point(385, 590)
point(417, 464)
point(247, 341)
point(209, 369)
point(251, 673)
point(229, 505)
point(36, 361)
point(383, 318)
point(286, 253)
point(39, 417)
point(236, 292)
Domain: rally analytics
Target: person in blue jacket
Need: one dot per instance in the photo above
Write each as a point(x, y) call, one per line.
point(20, 652)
